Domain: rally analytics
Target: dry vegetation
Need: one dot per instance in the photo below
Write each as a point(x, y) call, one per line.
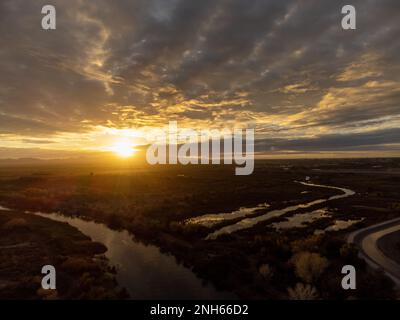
point(255, 263)
point(28, 242)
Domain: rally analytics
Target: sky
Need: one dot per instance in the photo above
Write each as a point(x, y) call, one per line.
point(113, 70)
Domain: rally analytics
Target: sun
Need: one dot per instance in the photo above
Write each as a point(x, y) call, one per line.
point(124, 149)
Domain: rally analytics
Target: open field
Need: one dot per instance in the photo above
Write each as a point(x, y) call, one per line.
point(154, 203)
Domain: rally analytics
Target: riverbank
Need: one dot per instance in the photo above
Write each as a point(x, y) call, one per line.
point(137, 266)
point(29, 242)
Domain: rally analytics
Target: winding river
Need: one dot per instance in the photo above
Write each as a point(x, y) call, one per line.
point(147, 273)
point(143, 270)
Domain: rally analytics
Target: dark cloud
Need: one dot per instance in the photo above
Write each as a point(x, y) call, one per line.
point(337, 142)
point(284, 66)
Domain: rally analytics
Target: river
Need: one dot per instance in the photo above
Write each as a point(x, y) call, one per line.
point(143, 270)
point(147, 273)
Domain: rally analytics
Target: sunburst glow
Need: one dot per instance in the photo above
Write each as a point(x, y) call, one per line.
point(124, 149)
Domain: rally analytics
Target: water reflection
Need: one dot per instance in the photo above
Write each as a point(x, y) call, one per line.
point(209, 220)
point(143, 269)
point(250, 222)
point(338, 225)
point(301, 220)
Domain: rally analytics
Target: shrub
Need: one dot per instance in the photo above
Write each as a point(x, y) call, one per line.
point(309, 266)
point(47, 294)
point(303, 292)
point(311, 243)
point(265, 271)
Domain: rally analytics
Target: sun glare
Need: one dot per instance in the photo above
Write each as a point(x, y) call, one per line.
point(123, 149)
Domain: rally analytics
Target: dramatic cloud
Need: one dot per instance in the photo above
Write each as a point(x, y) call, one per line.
point(284, 67)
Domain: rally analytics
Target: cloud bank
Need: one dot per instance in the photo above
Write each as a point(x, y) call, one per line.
point(285, 68)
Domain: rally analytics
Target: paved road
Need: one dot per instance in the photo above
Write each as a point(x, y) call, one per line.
point(366, 239)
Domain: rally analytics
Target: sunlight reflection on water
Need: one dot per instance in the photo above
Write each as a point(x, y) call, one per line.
point(142, 269)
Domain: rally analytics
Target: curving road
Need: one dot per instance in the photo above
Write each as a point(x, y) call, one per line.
point(366, 239)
